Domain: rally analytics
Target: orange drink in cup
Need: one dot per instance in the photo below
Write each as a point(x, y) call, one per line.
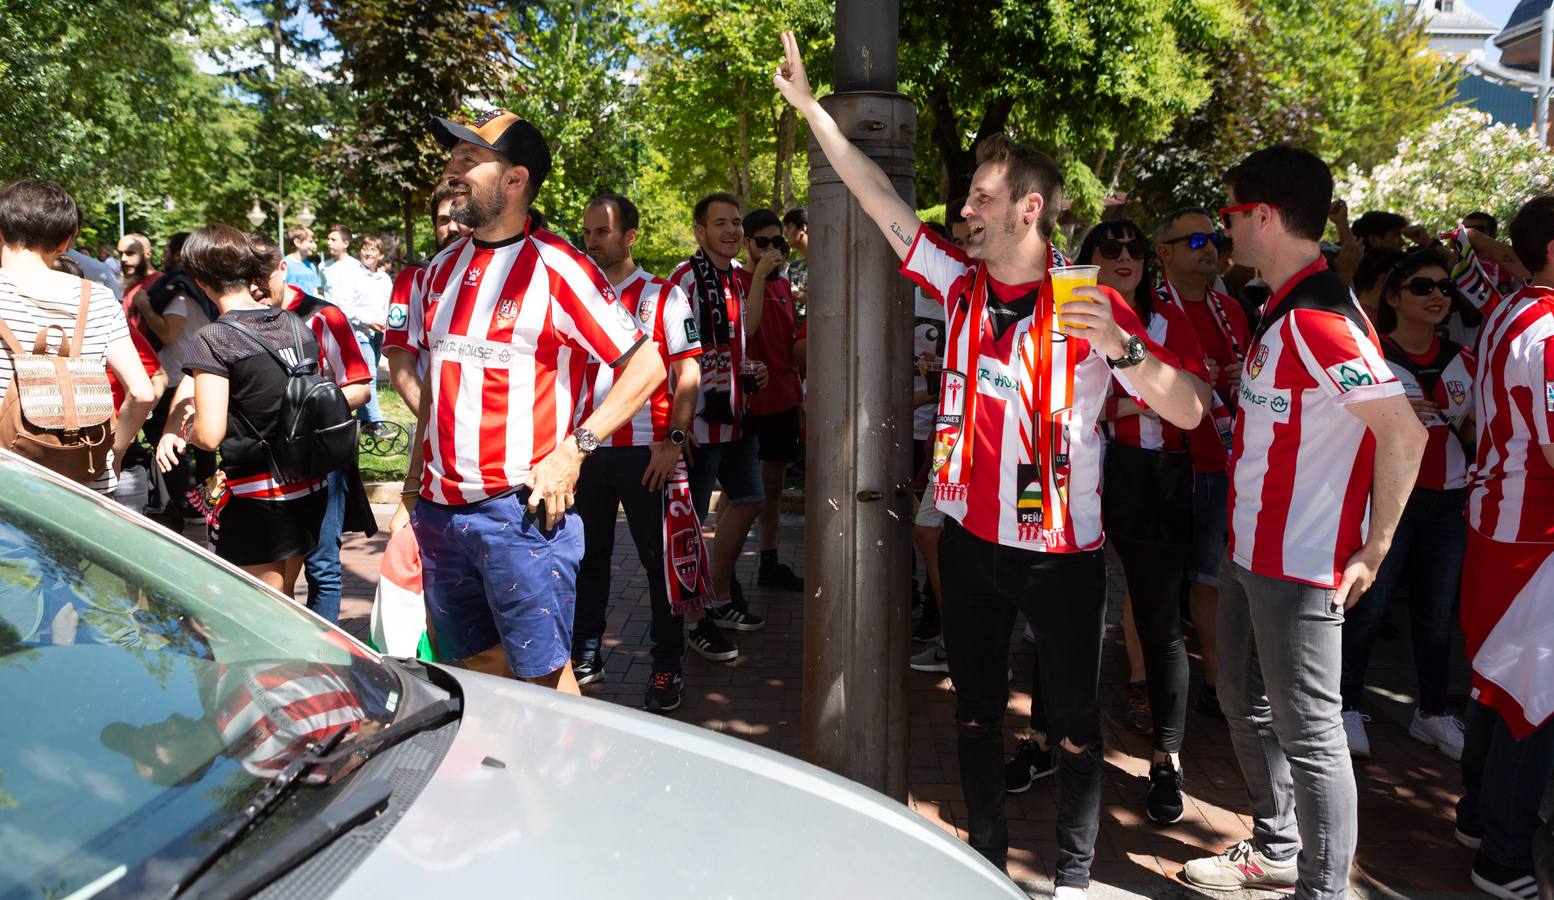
point(1064, 280)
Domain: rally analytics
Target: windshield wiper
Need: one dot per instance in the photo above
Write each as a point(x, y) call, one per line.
point(432, 715)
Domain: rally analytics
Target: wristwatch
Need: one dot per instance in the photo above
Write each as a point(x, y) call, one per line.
point(677, 437)
point(587, 441)
point(1133, 353)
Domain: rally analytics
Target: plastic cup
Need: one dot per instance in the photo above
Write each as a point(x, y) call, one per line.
point(1064, 280)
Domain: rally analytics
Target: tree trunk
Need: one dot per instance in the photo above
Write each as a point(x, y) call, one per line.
point(742, 182)
point(407, 210)
point(782, 179)
point(960, 163)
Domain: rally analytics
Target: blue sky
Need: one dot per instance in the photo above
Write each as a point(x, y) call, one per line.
point(1496, 11)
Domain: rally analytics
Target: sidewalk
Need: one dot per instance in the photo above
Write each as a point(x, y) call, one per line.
point(1406, 791)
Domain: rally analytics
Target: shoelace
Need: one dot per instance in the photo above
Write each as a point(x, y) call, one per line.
point(1240, 851)
point(661, 680)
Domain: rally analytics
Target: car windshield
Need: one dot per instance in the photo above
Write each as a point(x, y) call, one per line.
point(148, 692)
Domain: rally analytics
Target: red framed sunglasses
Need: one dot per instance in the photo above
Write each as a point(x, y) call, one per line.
point(1227, 212)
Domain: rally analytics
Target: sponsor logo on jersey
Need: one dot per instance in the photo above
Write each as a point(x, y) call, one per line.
point(1548, 395)
point(472, 275)
point(398, 315)
point(1275, 401)
point(623, 316)
point(692, 333)
point(1350, 375)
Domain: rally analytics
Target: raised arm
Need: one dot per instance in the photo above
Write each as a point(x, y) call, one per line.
point(867, 181)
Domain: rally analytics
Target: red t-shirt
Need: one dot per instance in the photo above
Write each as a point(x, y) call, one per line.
point(772, 343)
point(148, 360)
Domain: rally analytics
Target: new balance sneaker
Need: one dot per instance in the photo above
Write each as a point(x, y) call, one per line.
point(663, 692)
point(1029, 765)
point(931, 658)
point(589, 669)
point(1443, 732)
point(735, 617)
point(1164, 804)
point(1208, 703)
point(1502, 881)
point(708, 640)
point(1241, 866)
point(1470, 836)
point(1138, 715)
point(776, 575)
point(1354, 730)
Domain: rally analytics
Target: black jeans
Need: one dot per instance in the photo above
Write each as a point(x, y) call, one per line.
point(1155, 573)
point(1063, 596)
point(1503, 781)
point(612, 478)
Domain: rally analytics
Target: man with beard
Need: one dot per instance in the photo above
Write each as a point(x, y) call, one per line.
point(632, 468)
point(1021, 491)
point(405, 369)
point(508, 319)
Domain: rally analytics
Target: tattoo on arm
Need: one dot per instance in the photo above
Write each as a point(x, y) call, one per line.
point(896, 228)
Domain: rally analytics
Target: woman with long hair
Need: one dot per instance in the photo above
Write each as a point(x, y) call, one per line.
point(232, 402)
point(1427, 551)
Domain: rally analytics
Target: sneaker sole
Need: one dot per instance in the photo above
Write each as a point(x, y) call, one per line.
point(1527, 887)
point(662, 709)
point(737, 626)
point(1151, 816)
point(1431, 742)
point(586, 680)
point(1227, 888)
point(1029, 784)
point(717, 657)
point(1467, 840)
point(933, 668)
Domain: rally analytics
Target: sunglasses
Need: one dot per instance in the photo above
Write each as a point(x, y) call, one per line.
point(1111, 248)
point(1198, 240)
point(780, 242)
point(1227, 212)
point(1421, 287)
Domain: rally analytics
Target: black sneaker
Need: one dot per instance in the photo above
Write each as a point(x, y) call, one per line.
point(588, 669)
point(1469, 835)
point(927, 628)
point(1029, 764)
point(734, 616)
point(1502, 881)
point(780, 577)
point(1164, 804)
point(663, 692)
point(705, 638)
point(1208, 703)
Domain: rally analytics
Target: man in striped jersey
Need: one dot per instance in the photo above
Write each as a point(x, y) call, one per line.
point(1323, 457)
point(632, 467)
point(1508, 574)
point(509, 319)
point(1020, 400)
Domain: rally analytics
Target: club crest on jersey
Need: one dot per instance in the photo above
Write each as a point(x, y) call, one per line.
point(1548, 396)
point(1458, 392)
point(1350, 375)
point(507, 311)
point(1255, 367)
point(645, 311)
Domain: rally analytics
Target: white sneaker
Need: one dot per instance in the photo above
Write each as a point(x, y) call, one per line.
point(1068, 892)
point(1354, 730)
point(931, 658)
point(1030, 638)
point(1443, 732)
point(1240, 866)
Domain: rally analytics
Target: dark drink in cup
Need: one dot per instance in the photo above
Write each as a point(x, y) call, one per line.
point(747, 382)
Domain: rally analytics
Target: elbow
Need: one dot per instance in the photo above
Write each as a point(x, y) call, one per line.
point(143, 395)
point(356, 395)
point(1194, 396)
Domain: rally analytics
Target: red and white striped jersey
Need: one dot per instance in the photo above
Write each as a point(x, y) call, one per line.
point(719, 362)
point(1511, 498)
point(508, 329)
point(664, 312)
point(1006, 500)
point(396, 329)
point(1168, 327)
point(268, 712)
point(339, 356)
point(1444, 375)
point(1300, 465)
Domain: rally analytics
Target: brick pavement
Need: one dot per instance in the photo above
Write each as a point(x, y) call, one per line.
point(1406, 791)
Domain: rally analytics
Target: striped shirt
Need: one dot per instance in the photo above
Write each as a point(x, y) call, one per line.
point(267, 713)
point(339, 355)
point(509, 328)
point(1168, 327)
point(1448, 383)
point(26, 314)
point(664, 312)
point(719, 364)
point(1300, 465)
point(1511, 497)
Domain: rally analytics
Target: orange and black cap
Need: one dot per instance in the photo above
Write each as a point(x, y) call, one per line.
point(503, 132)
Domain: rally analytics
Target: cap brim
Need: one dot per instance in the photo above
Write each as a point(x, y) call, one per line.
point(447, 133)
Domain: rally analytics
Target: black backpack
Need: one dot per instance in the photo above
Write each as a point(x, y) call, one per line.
point(316, 433)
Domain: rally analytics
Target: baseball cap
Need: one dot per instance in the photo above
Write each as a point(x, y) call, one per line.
point(499, 130)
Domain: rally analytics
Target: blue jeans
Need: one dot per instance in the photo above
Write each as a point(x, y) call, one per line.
point(1426, 555)
point(322, 567)
point(1503, 781)
point(369, 411)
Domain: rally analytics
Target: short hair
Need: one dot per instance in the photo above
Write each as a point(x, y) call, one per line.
point(758, 219)
point(625, 210)
point(700, 213)
point(344, 232)
point(68, 266)
point(372, 240)
point(952, 214)
point(1407, 266)
point(798, 217)
point(1376, 262)
point(294, 234)
point(142, 240)
point(226, 259)
point(172, 255)
point(37, 215)
point(441, 194)
point(1168, 221)
point(1028, 171)
point(1298, 182)
point(269, 255)
point(1377, 223)
point(1531, 230)
point(938, 229)
point(1494, 223)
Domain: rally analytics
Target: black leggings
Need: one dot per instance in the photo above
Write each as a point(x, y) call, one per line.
point(1154, 573)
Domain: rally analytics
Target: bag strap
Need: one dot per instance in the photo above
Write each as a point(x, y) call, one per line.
point(79, 337)
point(12, 345)
point(253, 337)
point(40, 342)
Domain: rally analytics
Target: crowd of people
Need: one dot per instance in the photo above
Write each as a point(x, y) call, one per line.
point(1274, 434)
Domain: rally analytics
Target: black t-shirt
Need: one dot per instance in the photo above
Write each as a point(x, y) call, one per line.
point(256, 381)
